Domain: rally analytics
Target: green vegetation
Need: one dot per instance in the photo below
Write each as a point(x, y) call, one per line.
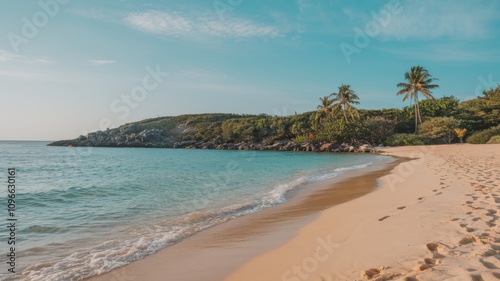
point(439, 129)
point(337, 120)
point(494, 140)
point(405, 139)
point(445, 120)
point(484, 136)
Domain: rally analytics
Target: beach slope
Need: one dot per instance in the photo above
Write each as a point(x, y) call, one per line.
point(432, 218)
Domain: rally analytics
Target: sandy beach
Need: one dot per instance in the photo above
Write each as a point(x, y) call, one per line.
point(429, 218)
point(433, 218)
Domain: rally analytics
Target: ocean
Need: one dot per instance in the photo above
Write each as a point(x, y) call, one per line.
point(84, 211)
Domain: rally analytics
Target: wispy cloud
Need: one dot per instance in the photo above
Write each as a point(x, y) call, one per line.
point(26, 75)
point(429, 19)
point(6, 56)
point(194, 73)
point(170, 23)
point(101, 62)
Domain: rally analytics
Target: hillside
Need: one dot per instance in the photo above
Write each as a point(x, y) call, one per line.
point(442, 120)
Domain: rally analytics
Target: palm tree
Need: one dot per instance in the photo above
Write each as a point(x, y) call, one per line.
point(418, 81)
point(324, 109)
point(344, 100)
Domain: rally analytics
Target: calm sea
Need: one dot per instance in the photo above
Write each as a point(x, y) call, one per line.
point(84, 211)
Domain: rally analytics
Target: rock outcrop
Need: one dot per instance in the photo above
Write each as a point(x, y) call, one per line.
point(171, 135)
point(122, 137)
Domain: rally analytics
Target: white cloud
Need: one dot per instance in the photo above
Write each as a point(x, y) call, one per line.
point(101, 62)
point(180, 25)
point(429, 19)
point(6, 56)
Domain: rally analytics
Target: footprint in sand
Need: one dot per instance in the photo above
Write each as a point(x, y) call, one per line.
point(371, 273)
point(383, 218)
point(485, 276)
point(490, 262)
point(402, 207)
point(467, 240)
point(420, 198)
point(435, 249)
point(428, 263)
point(379, 274)
point(469, 229)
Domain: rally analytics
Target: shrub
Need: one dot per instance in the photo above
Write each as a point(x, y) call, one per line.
point(300, 139)
point(404, 139)
point(484, 136)
point(439, 129)
point(379, 129)
point(494, 140)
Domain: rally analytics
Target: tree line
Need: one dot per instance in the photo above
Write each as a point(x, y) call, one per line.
point(424, 121)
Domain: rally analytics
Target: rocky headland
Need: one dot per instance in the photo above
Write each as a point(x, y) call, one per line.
point(168, 133)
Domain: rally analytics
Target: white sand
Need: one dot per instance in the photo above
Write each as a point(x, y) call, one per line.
point(433, 218)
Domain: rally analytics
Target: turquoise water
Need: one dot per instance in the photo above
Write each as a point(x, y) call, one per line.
point(84, 211)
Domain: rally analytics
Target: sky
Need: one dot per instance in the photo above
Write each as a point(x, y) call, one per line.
point(69, 67)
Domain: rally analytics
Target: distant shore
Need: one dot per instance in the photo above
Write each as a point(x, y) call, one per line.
point(429, 217)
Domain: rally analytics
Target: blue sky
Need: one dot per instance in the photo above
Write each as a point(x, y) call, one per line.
point(68, 66)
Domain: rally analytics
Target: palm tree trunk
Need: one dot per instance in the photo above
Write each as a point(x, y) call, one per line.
point(417, 112)
point(416, 120)
point(419, 116)
point(345, 114)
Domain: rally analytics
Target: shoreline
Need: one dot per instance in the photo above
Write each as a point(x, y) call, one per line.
point(237, 241)
point(433, 218)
